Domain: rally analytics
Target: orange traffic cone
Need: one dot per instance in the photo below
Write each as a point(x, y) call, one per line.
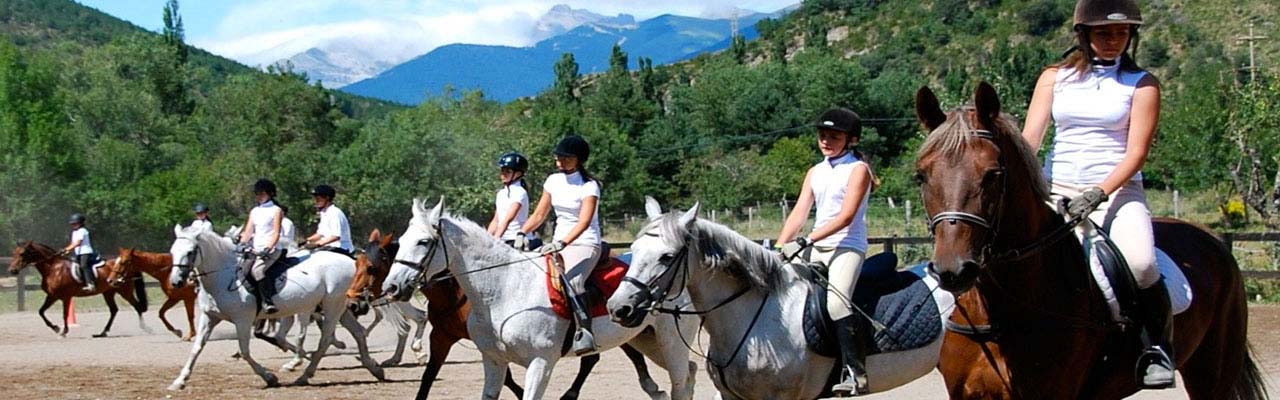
point(71, 313)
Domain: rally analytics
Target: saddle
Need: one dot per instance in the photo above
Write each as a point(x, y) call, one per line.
point(604, 280)
point(899, 302)
point(95, 260)
point(276, 271)
point(1116, 282)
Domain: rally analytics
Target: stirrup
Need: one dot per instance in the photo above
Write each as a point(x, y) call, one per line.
point(583, 342)
point(1155, 369)
point(853, 385)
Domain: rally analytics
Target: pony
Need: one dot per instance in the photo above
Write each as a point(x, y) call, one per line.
point(511, 319)
point(59, 285)
point(1030, 321)
point(132, 263)
point(318, 282)
point(752, 305)
point(447, 310)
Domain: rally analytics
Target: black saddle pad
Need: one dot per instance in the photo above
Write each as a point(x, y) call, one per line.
point(899, 300)
point(276, 271)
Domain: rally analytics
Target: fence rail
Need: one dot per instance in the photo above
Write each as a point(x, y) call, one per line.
point(889, 243)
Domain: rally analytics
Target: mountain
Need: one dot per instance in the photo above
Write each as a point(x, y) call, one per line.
point(335, 69)
point(562, 18)
point(506, 73)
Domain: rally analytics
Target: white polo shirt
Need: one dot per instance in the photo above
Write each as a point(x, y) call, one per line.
point(567, 193)
point(333, 223)
point(1091, 113)
point(513, 194)
point(828, 182)
point(82, 235)
point(203, 224)
point(263, 217)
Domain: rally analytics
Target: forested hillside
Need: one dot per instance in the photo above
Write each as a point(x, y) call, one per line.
point(95, 126)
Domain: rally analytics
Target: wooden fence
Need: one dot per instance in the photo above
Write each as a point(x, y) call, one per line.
point(889, 244)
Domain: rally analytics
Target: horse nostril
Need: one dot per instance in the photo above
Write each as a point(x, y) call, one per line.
point(623, 312)
point(968, 266)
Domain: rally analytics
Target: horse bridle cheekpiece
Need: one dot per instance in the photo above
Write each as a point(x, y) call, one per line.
point(432, 245)
point(673, 265)
point(191, 258)
point(992, 226)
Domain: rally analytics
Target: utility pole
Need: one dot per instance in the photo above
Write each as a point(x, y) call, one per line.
point(1253, 66)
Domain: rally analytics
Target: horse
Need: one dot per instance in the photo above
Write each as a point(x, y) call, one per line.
point(131, 262)
point(511, 318)
point(447, 310)
point(58, 284)
point(1030, 320)
point(753, 307)
point(319, 281)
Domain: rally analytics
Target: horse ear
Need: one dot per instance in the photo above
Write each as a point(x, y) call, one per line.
point(987, 101)
point(418, 207)
point(436, 211)
point(386, 239)
point(177, 230)
point(927, 109)
point(375, 235)
point(652, 208)
point(688, 217)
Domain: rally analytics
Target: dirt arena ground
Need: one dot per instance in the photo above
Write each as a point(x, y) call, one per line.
point(135, 365)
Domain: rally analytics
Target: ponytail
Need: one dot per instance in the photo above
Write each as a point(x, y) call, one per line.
point(587, 176)
point(875, 180)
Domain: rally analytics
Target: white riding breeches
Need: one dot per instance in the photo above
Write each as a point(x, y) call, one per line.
point(1127, 221)
point(844, 265)
point(579, 261)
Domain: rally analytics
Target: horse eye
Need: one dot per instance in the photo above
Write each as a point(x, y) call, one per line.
point(993, 174)
point(666, 258)
point(918, 178)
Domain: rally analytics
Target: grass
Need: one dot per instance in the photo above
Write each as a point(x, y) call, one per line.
point(9, 301)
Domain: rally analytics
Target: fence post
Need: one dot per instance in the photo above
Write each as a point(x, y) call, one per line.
point(751, 217)
point(22, 289)
point(908, 217)
point(1229, 239)
point(1176, 213)
point(888, 243)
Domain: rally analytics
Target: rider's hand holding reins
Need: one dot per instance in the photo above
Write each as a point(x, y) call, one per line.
point(553, 247)
point(521, 242)
point(794, 247)
point(1084, 204)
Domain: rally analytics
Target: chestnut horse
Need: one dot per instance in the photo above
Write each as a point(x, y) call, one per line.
point(447, 310)
point(1030, 321)
point(58, 284)
point(131, 262)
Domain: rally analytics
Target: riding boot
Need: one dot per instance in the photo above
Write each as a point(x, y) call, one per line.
point(853, 377)
point(1155, 366)
point(583, 341)
point(267, 290)
point(86, 271)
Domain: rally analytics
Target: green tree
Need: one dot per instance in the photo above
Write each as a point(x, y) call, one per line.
point(566, 85)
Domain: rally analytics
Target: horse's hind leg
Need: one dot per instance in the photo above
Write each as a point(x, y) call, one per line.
point(327, 326)
point(671, 354)
point(190, 304)
point(168, 303)
point(440, 343)
point(642, 370)
point(110, 297)
point(585, 365)
point(205, 327)
point(66, 313)
point(494, 373)
point(397, 318)
point(299, 355)
point(536, 377)
point(48, 302)
point(350, 322)
point(244, 331)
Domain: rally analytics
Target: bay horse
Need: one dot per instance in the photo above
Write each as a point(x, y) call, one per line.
point(131, 262)
point(1030, 321)
point(511, 318)
point(447, 311)
point(59, 285)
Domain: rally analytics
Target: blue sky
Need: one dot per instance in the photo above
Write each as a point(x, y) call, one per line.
point(260, 32)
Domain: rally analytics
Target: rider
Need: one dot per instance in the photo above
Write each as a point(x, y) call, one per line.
point(511, 204)
point(1105, 109)
point(288, 235)
point(202, 217)
point(264, 227)
point(840, 185)
point(81, 249)
point(333, 233)
point(574, 194)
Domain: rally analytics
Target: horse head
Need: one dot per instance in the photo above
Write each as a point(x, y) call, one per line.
point(185, 251)
point(123, 267)
point(20, 253)
point(418, 257)
point(373, 263)
point(965, 169)
point(656, 260)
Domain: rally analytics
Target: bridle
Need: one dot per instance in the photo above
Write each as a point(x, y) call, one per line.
point(433, 245)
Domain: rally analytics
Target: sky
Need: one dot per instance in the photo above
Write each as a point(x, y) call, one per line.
point(263, 31)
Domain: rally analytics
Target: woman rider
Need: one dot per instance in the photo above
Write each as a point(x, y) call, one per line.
point(511, 203)
point(263, 227)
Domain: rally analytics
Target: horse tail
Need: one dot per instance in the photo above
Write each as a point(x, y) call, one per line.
point(1250, 384)
point(395, 315)
point(140, 294)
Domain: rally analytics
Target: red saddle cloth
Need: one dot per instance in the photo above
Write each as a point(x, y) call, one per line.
point(605, 277)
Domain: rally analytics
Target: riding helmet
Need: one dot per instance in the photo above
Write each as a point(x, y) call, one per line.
point(264, 185)
point(514, 161)
point(76, 218)
point(573, 145)
point(200, 208)
point(1107, 12)
point(841, 120)
point(325, 191)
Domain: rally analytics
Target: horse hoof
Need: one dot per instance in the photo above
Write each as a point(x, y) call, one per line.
point(301, 382)
point(377, 373)
point(100, 335)
point(389, 363)
point(660, 395)
point(271, 380)
point(178, 333)
point(176, 386)
point(569, 396)
point(339, 345)
point(417, 346)
point(187, 338)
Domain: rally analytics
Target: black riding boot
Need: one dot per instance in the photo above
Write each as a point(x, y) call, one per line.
point(853, 378)
point(583, 341)
point(1155, 365)
point(86, 271)
point(267, 290)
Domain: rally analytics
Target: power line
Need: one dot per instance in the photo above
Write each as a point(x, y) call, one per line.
point(774, 134)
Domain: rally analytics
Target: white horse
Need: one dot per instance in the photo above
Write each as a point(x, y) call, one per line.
point(511, 319)
point(320, 281)
point(752, 308)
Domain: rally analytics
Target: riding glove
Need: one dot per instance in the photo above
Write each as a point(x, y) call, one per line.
point(522, 242)
point(311, 245)
point(794, 247)
point(553, 247)
point(264, 253)
point(1084, 204)
point(243, 248)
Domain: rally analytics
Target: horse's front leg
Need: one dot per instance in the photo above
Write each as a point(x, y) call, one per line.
point(66, 313)
point(110, 298)
point(205, 326)
point(169, 303)
point(48, 302)
point(585, 365)
point(190, 304)
point(244, 333)
point(299, 355)
point(494, 373)
point(353, 326)
point(327, 326)
point(536, 377)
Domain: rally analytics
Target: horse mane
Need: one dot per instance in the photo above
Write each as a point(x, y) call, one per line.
point(212, 244)
point(723, 249)
point(951, 139)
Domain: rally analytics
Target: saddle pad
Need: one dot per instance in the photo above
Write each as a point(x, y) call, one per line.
point(604, 280)
point(98, 263)
point(1175, 282)
point(901, 301)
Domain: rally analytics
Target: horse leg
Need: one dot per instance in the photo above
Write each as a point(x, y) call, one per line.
point(48, 302)
point(66, 311)
point(642, 370)
point(397, 318)
point(110, 297)
point(674, 357)
point(377, 317)
point(137, 304)
point(244, 332)
point(585, 365)
point(536, 377)
point(420, 318)
point(494, 371)
point(168, 303)
point(299, 355)
point(440, 344)
point(353, 326)
point(190, 304)
point(205, 326)
point(327, 326)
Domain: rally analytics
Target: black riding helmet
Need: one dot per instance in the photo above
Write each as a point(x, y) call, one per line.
point(76, 218)
point(200, 208)
point(325, 191)
point(573, 145)
point(264, 185)
point(514, 161)
point(841, 120)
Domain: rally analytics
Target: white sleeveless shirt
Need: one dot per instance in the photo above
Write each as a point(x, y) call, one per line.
point(567, 193)
point(506, 197)
point(263, 217)
point(828, 182)
point(1091, 113)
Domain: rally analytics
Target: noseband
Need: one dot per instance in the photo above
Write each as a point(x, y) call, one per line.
point(432, 244)
point(657, 294)
point(992, 226)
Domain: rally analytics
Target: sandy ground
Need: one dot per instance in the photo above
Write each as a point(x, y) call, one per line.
point(133, 364)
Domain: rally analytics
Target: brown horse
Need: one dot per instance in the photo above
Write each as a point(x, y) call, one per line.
point(1030, 321)
point(131, 262)
point(58, 284)
point(447, 310)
